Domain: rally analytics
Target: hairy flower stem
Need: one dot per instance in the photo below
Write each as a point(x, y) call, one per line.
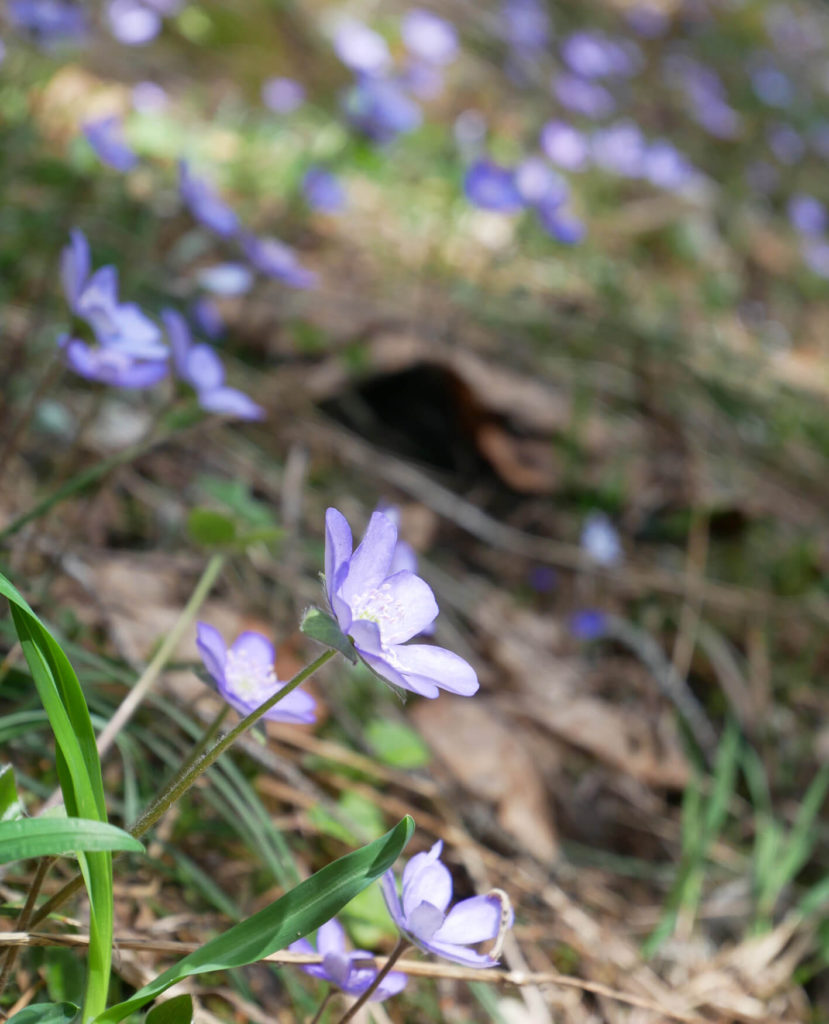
point(398, 951)
point(188, 774)
point(318, 1015)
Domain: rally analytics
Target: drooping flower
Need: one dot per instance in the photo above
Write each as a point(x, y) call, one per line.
point(201, 368)
point(381, 610)
point(106, 136)
point(429, 37)
point(422, 917)
point(338, 965)
point(205, 204)
point(492, 187)
point(278, 260)
point(323, 191)
point(283, 95)
point(245, 676)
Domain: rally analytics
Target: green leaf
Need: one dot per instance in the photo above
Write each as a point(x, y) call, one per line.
point(178, 1010)
point(79, 773)
point(322, 628)
point(10, 805)
point(298, 912)
point(210, 528)
point(397, 744)
point(49, 837)
point(45, 1013)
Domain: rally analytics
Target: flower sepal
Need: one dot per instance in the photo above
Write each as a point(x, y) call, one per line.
point(324, 629)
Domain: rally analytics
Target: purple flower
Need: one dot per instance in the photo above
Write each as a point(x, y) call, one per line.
point(207, 318)
point(422, 80)
point(361, 48)
point(582, 97)
point(404, 558)
point(619, 149)
point(772, 86)
point(429, 37)
point(648, 20)
point(525, 25)
point(562, 225)
point(95, 299)
point(338, 966)
point(283, 95)
point(421, 915)
point(564, 146)
point(201, 368)
point(381, 610)
point(226, 279)
point(278, 260)
point(132, 22)
point(49, 21)
point(149, 97)
point(205, 205)
point(588, 624)
point(593, 55)
point(539, 185)
point(112, 366)
point(704, 94)
point(807, 215)
point(380, 109)
point(245, 675)
point(106, 136)
point(492, 187)
point(323, 191)
point(816, 256)
point(664, 166)
point(600, 540)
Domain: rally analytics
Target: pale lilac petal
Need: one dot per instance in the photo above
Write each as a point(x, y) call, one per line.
point(338, 968)
point(74, 266)
point(388, 885)
point(419, 608)
point(297, 707)
point(338, 547)
point(431, 884)
point(423, 663)
point(255, 648)
point(364, 634)
point(391, 985)
point(133, 332)
point(405, 559)
point(231, 402)
point(459, 954)
point(474, 920)
point(212, 649)
point(424, 921)
point(304, 946)
point(203, 368)
point(370, 563)
point(181, 341)
point(331, 937)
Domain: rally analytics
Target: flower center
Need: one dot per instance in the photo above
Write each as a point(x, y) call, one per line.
point(378, 605)
point(248, 677)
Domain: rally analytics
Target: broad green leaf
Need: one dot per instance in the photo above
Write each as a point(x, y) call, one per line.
point(212, 529)
point(79, 773)
point(49, 837)
point(397, 744)
point(324, 630)
point(178, 1010)
point(298, 912)
point(45, 1013)
point(10, 805)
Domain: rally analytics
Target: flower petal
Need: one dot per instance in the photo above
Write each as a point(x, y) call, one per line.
point(254, 648)
point(369, 565)
point(338, 547)
point(298, 706)
point(231, 402)
point(429, 883)
point(423, 664)
point(331, 937)
point(389, 986)
point(417, 604)
point(388, 885)
point(473, 920)
point(459, 954)
point(180, 339)
point(212, 649)
point(424, 921)
point(203, 368)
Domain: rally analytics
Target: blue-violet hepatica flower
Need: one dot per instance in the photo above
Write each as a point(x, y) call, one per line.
point(205, 204)
point(244, 674)
point(106, 137)
point(421, 913)
point(380, 610)
point(338, 965)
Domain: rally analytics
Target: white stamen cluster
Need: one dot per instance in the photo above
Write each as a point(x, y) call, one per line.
point(378, 605)
point(246, 677)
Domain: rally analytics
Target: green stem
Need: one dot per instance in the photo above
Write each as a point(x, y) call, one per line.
point(187, 775)
point(398, 951)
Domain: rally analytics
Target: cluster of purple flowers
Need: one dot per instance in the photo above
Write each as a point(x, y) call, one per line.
point(130, 351)
point(382, 103)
